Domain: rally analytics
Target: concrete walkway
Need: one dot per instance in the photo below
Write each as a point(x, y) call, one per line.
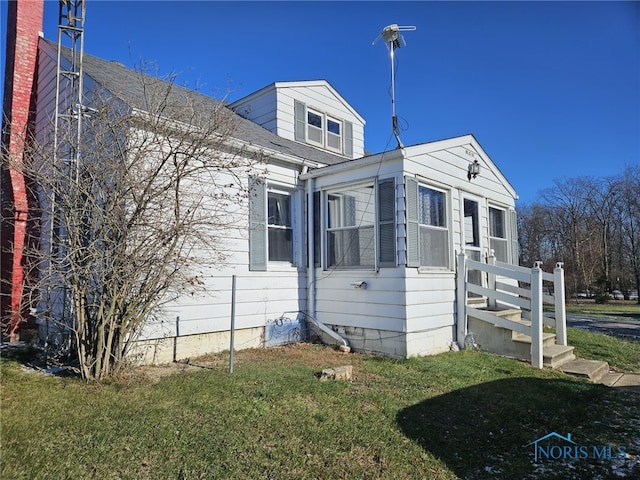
point(624, 381)
point(599, 372)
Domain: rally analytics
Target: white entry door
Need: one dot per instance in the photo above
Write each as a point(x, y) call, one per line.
point(471, 239)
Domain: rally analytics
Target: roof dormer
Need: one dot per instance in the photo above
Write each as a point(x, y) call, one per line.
point(310, 112)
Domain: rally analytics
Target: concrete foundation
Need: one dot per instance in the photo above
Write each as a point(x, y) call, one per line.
point(165, 350)
point(397, 344)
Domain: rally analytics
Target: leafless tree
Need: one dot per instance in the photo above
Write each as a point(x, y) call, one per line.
point(137, 218)
point(601, 198)
point(570, 223)
point(629, 209)
point(593, 226)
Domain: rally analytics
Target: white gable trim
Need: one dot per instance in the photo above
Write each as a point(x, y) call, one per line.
point(464, 141)
point(325, 84)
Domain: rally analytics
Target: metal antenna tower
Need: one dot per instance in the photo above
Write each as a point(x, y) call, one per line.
point(394, 39)
point(67, 123)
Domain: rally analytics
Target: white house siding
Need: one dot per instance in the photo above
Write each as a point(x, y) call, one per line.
point(406, 311)
point(203, 319)
point(322, 99)
point(199, 322)
point(44, 136)
point(431, 306)
point(260, 107)
point(372, 319)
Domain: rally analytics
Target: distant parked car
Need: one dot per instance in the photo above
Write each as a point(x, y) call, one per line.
point(633, 295)
point(617, 295)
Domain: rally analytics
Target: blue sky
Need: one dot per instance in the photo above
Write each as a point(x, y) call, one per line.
point(549, 89)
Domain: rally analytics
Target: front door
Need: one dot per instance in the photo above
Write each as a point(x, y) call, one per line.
point(471, 236)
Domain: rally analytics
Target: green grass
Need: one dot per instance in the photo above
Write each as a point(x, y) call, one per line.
point(454, 415)
point(620, 353)
point(628, 309)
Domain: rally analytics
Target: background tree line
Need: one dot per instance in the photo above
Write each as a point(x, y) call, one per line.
point(590, 224)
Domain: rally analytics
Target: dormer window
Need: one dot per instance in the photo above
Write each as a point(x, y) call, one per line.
point(314, 128)
point(334, 137)
point(324, 131)
point(321, 130)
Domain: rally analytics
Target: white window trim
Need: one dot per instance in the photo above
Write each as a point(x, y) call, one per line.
point(449, 227)
point(481, 227)
point(322, 127)
point(506, 220)
point(339, 189)
point(284, 265)
point(340, 149)
point(324, 130)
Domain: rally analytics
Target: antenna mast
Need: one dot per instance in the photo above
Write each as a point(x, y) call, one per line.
point(67, 128)
point(392, 37)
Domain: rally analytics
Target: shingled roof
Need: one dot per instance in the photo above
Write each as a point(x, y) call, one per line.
point(125, 84)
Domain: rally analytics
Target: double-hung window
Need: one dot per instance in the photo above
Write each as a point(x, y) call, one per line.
point(427, 229)
point(280, 237)
point(334, 135)
point(271, 225)
point(434, 233)
point(350, 227)
point(322, 130)
point(315, 123)
point(498, 234)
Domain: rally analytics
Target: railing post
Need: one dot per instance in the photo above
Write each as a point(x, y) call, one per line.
point(560, 305)
point(461, 299)
point(491, 279)
point(536, 316)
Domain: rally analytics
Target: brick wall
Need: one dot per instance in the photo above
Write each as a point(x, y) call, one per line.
point(24, 23)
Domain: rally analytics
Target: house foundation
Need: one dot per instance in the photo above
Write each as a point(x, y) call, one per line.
point(172, 349)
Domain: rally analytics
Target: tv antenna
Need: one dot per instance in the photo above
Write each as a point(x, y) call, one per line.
point(392, 36)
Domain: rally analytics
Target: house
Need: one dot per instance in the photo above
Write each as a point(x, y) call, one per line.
point(364, 247)
point(364, 244)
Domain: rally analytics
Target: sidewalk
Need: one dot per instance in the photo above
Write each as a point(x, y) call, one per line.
point(598, 371)
point(624, 381)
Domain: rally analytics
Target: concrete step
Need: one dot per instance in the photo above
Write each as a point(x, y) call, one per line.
point(611, 378)
point(555, 356)
point(513, 314)
point(548, 339)
point(594, 370)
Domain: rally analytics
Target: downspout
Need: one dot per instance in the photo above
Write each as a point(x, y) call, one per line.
point(311, 271)
point(311, 251)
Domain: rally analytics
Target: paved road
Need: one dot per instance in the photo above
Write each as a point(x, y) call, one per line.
point(617, 326)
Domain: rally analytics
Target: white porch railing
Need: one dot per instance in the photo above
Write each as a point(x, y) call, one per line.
point(529, 295)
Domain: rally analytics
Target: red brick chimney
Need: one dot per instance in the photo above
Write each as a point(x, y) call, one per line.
point(24, 23)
